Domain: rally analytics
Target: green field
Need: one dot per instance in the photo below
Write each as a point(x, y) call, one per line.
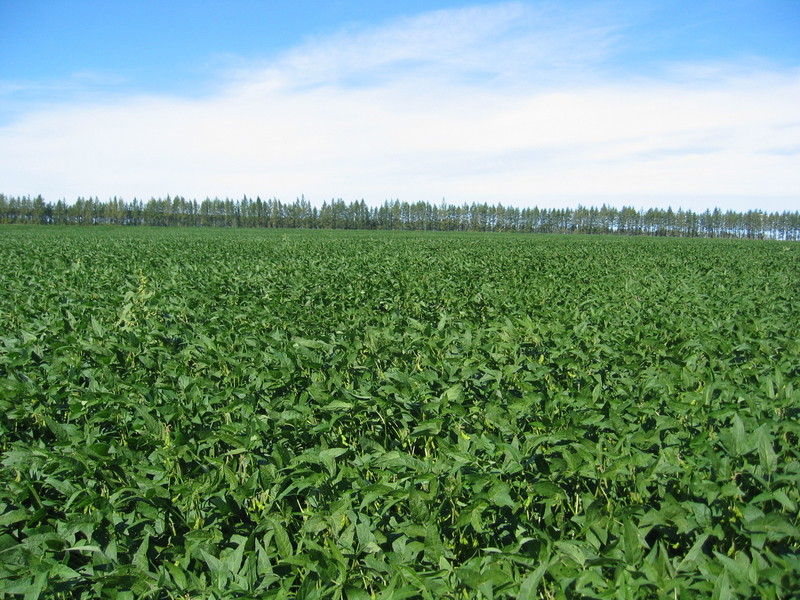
point(193, 413)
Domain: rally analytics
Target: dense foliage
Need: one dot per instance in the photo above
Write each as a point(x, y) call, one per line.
point(267, 414)
point(396, 215)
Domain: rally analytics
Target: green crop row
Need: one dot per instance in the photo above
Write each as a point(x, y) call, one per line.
point(261, 414)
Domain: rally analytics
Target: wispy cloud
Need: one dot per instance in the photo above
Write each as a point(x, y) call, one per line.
point(508, 43)
point(507, 103)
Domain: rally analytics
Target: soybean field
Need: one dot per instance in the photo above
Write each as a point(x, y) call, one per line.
point(220, 413)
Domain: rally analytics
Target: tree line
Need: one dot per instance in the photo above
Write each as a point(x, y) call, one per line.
point(177, 211)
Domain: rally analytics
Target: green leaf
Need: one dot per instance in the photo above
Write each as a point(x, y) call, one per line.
point(785, 501)
point(694, 557)
point(738, 436)
point(572, 550)
point(97, 328)
point(329, 457)
point(140, 559)
point(281, 539)
point(37, 585)
point(530, 585)
point(766, 453)
point(178, 575)
point(499, 495)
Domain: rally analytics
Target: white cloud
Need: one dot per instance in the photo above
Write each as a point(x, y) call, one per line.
point(499, 104)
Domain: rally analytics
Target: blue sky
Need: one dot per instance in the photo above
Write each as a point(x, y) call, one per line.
point(692, 104)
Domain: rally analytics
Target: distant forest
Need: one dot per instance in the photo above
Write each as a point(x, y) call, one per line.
point(395, 215)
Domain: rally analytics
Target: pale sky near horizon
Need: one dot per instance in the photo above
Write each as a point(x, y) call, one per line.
point(692, 104)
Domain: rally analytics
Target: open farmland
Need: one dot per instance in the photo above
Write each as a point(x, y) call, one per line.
point(268, 414)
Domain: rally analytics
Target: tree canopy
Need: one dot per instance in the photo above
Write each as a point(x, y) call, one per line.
point(397, 215)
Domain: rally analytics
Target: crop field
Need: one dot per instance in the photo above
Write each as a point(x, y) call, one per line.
point(197, 413)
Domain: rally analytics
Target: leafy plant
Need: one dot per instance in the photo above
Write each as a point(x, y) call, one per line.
point(304, 414)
